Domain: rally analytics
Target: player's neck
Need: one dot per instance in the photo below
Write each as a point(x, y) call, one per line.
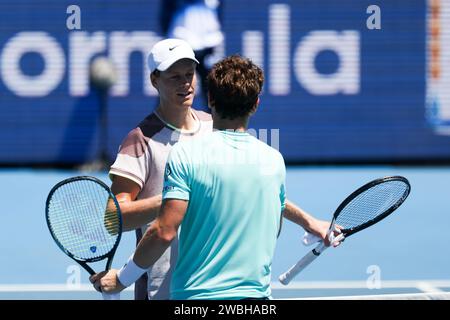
point(238, 125)
point(180, 118)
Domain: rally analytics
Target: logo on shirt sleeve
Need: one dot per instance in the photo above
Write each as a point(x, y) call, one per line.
point(167, 172)
point(168, 188)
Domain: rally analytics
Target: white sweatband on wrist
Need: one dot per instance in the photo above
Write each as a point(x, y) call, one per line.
point(310, 239)
point(130, 272)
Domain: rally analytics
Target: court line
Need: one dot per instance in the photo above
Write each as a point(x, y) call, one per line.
point(422, 285)
point(405, 296)
point(428, 287)
point(62, 287)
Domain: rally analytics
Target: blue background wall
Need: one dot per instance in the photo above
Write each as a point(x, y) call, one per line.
point(385, 119)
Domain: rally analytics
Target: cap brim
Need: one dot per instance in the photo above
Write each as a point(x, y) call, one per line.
point(163, 66)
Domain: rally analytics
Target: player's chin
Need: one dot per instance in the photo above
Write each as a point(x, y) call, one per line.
point(187, 100)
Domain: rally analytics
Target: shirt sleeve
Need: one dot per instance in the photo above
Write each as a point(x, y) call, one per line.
point(283, 197)
point(176, 175)
point(283, 185)
point(133, 159)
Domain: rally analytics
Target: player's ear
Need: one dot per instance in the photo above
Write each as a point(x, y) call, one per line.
point(154, 76)
point(255, 107)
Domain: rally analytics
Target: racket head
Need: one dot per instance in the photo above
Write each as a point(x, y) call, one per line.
point(376, 199)
point(84, 219)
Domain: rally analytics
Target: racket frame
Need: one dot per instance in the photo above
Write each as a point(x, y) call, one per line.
point(81, 261)
point(287, 276)
point(353, 195)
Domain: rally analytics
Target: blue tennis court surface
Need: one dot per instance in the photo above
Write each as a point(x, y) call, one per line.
point(407, 252)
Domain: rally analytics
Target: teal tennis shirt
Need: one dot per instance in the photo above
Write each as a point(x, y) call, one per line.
point(235, 185)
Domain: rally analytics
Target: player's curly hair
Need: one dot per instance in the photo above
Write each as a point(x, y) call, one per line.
point(234, 85)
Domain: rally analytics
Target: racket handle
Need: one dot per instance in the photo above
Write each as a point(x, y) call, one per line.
point(286, 277)
point(113, 296)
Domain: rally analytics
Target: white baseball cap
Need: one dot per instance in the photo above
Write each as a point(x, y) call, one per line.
point(166, 52)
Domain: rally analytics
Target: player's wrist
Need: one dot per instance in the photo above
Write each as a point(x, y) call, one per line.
point(130, 273)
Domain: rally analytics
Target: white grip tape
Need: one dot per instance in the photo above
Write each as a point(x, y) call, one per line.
point(309, 239)
point(286, 277)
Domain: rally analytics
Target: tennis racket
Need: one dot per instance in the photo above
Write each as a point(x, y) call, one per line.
point(366, 206)
point(85, 221)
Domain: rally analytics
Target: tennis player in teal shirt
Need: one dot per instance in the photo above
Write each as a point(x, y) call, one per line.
point(234, 187)
point(224, 193)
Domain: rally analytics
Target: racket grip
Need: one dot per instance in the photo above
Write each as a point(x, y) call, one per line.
point(111, 296)
point(286, 277)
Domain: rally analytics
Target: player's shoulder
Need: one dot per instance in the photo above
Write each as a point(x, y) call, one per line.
point(146, 129)
point(193, 148)
point(266, 147)
point(150, 126)
point(135, 143)
point(182, 148)
point(268, 152)
point(189, 145)
point(143, 133)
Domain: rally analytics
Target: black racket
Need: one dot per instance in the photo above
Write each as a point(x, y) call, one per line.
point(85, 221)
point(366, 206)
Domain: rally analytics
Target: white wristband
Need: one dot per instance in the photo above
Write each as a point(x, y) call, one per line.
point(130, 272)
point(309, 239)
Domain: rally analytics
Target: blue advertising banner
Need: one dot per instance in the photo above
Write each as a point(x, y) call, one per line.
point(345, 81)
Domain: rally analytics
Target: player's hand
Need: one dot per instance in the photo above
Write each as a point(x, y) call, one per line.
point(107, 282)
point(320, 229)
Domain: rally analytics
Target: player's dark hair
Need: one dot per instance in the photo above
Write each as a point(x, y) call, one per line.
point(234, 85)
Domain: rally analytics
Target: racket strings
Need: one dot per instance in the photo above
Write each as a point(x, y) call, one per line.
point(84, 219)
point(372, 203)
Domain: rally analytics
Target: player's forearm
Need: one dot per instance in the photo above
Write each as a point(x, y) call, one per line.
point(161, 232)
point(298, 215)
point(139, 212)
point(152, 245)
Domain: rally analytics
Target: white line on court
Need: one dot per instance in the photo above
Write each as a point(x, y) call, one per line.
point(428, 287)
point(361, 284)
point(422, 285)
point(408, 296)
point(49, 288)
